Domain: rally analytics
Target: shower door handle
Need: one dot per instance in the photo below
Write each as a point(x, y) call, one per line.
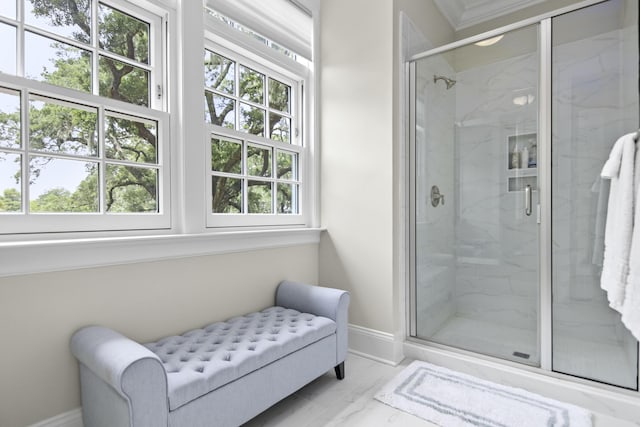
point(527, 200)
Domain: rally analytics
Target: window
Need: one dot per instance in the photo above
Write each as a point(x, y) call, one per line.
point(83, 132)
point(256, 150)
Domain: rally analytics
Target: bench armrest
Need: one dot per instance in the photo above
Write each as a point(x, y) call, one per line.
point(326, 302)
point(129, 368)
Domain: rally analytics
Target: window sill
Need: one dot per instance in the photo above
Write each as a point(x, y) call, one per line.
point(58, 255)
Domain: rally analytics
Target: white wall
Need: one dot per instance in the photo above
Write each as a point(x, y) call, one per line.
point(357, 156)
point(362, 152)
point(39, 312)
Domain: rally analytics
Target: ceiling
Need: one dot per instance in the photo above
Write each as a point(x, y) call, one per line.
point(465, 13)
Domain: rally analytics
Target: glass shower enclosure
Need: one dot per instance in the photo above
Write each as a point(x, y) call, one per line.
point(509, 133)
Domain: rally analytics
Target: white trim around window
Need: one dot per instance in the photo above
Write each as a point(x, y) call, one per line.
point(241, 50)
point(32, 92)
point(60, 255)
point(19, 223)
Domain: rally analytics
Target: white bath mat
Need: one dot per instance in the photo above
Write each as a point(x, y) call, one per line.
point(450, 398)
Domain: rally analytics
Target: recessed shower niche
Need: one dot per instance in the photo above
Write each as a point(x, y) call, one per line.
point(522, 162)
point(515, 135)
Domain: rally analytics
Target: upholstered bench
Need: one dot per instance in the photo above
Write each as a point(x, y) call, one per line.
point(220, 375)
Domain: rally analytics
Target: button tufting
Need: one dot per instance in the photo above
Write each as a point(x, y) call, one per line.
point(206, 349)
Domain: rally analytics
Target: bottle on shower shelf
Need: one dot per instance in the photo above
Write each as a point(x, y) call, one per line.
point(524, 158)
point(533, 155)
point(514, 159)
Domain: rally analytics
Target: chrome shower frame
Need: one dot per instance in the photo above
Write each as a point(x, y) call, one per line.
point(416, 345)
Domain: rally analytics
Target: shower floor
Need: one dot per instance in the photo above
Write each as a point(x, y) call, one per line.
point(489, 338)
point(605, 362)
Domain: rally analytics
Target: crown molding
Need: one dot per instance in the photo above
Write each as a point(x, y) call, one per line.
point(466, 13)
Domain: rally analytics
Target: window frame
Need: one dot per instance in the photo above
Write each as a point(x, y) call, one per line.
point(183, 27)
point(220, 39)
point(27, 223)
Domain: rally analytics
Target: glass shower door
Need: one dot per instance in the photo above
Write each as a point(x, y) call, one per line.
point(474, 151)
point(595, 101)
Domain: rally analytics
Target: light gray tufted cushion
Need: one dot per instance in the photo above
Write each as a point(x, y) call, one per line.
point(202, 360)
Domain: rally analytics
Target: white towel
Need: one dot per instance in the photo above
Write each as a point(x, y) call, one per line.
point(619, 227)
point(601, 187)
point(631, 306)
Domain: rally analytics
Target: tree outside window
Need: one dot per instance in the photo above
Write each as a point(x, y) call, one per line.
point(69, 167)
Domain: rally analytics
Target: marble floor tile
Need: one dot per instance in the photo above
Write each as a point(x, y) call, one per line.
point(327, 402)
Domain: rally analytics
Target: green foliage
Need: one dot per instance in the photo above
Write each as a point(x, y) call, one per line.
point(251, 85)
point(54, 200)
point(227, 195)
point(259, 197)
point(131, 140)
point(122, 34)
point(131, 189)
point(10, 132)
point(10, 201)
point(72, 68)
point(123, 82)
point(226, 156)
point(66, 13)
point(59, 128)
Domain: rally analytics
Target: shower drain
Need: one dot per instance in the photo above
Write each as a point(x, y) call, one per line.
point(522, 355)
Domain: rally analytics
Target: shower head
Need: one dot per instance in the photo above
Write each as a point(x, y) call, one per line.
point(449, 82)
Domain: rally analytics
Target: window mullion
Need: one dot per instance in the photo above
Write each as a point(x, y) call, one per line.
point(95, 74)
point(267, 107)
point(102, 169)
point(20, 54)
point(274, 175)
point(24, 141)
point(245, 177)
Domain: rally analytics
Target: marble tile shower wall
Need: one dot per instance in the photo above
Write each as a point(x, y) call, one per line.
point(435, 107)
point(497, 261)
point(477, 254)
point(598, 113)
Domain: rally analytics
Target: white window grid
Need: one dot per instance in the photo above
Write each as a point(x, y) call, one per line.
point(296, 146)
point(246, 218)
point(154, 67)
point(268, 76)
point(23, 222)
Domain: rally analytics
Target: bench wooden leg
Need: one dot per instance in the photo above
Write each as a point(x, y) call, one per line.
point(340, 371)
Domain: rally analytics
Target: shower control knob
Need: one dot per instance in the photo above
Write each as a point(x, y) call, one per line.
point(436, 196)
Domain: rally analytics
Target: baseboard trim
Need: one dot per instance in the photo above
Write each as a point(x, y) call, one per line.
point(72, 418)
point(377, 345)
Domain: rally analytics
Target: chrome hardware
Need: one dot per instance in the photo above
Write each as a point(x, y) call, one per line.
point(527, 200)
point(436, 197)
